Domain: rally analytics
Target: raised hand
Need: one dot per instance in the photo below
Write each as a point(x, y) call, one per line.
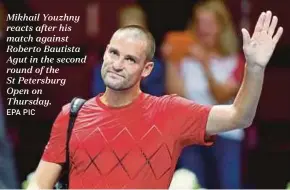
point(259, 48)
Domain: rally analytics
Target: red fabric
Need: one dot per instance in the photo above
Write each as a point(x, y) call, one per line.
point(136, 146)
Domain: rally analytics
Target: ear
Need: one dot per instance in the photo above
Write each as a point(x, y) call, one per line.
point(147, 69)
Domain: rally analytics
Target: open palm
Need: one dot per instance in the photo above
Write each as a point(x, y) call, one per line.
point(259, 48)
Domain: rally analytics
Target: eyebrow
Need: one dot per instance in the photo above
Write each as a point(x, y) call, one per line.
point(113, 49)
point(130, 56)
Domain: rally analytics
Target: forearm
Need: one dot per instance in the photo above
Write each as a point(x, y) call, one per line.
point(33, 185)
point(247, 99)
point(258, 50)
point(36, 183)
point(45, 176)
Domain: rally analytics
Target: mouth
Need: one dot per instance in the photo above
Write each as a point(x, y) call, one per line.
point(115, 74)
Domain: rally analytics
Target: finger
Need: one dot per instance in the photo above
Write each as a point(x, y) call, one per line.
point(273, 26)
point(246, 36)
point(278, 35)
point(267, 21)
point(260, 23)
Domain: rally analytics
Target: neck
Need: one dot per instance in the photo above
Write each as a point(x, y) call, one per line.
point(115, 98)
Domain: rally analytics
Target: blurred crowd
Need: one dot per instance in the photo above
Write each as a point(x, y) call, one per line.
point(199, 58)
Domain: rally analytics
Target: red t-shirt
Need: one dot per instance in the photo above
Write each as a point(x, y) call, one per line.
point(136, 146)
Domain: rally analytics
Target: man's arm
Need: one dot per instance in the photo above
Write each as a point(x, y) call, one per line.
point(46, 176)
point(258, 50)
point(54, 154)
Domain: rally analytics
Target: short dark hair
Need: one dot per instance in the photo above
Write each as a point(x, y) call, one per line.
point(151, 47)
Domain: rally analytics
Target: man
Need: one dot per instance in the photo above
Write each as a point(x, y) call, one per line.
point(127, 139)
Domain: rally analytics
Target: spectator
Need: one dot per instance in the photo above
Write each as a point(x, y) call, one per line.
point(210, 73)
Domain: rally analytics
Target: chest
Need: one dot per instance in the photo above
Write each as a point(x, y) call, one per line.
point(131, 144)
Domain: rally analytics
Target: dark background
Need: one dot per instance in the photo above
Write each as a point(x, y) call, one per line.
point(267, 145)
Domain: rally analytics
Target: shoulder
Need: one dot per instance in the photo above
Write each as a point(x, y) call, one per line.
point(166, 100)
point(179, 106)
point(90, 103)
point(66, 109)
point(152, 98)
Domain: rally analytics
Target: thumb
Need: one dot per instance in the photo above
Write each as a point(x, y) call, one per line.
point(246, 37)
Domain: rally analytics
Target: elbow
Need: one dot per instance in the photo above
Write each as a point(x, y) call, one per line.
point(249, 123)
point(244, 123)
point(241, 121)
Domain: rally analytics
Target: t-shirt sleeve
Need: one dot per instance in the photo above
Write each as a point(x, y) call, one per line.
point(189, 121)
point(55, 149)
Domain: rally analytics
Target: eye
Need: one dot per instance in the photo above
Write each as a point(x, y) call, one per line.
point(113, 52)
point(130, 59)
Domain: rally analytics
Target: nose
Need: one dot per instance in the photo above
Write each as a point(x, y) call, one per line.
point(118, 65)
